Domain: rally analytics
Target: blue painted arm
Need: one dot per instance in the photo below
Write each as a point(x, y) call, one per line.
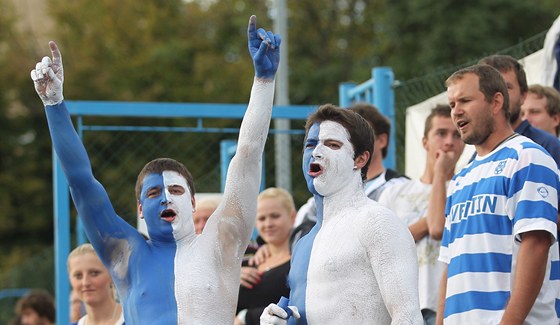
point(90, 198)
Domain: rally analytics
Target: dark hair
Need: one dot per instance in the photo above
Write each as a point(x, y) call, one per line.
point(439, 110)
point(378, 121)
point(361, 133)
point(505, 63)
point(40, 301)
point(160, 165)
point(490, 82)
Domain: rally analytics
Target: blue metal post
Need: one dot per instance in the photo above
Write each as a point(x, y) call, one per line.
point(384, 99)
point(344, 99)
point(227, 150)
point(61, 241)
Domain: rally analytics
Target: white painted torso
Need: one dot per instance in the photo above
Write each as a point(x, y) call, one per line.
point(363, 265)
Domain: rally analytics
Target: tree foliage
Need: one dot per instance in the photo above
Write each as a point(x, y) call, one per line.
point(25, 152)
point(431, 34)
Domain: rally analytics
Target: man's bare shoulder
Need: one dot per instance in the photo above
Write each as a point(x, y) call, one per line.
point(373, 219)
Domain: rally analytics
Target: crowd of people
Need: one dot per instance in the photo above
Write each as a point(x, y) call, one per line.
point(474, 244)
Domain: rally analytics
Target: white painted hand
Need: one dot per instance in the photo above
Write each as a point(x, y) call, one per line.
point(275, 315)
point(48, 77)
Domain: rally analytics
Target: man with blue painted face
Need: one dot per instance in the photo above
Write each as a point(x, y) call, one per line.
point(357, 265)
point(177, 276)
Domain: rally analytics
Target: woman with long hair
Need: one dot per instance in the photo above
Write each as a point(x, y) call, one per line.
point(93, 284)
point(266, 282)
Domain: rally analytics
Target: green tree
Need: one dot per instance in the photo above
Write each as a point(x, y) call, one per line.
point(426, 35)
point(25, 154)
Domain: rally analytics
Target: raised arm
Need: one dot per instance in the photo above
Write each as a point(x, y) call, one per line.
point(244, 173)
point(443, 170)
point(89, 196)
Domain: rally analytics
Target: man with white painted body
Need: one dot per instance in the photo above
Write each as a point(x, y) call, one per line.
point(500, 230)
point(420, 203)
point(176, 277)
point(358, 263)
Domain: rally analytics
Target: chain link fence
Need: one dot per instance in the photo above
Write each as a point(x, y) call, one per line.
point(118, 156)
point(416, 90)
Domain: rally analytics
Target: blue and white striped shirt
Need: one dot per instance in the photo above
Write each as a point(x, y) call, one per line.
point(491, 202)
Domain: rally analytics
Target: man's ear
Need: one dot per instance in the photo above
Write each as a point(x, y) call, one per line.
point(382, 140)
point(425, 143)
point(362, 159)
point(556, 119)
point(139, 209)
point(523, 97)
point(193, 202)
point(497, 102)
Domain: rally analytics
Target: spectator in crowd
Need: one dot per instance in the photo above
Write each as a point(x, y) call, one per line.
point(516, 81)
point(268, 282)
point(204, 209)
point(378, 177)
point(500, 229)
point(76, 307)
point(175, 277)
point(36, 308)
point(542, 108)
point(418, 201)
point(358, 263)
point(93, 285)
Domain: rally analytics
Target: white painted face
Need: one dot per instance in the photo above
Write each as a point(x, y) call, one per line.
point(178, 197)
point(334, 154)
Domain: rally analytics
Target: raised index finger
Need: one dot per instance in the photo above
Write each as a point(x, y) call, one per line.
point(252, 28)
point(57, 57)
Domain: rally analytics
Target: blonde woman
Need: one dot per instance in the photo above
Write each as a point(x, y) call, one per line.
point(267, 282)
point(93, 284)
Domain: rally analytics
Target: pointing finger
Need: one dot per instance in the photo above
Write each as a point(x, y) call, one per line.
point(57, 57)
point(252, 27)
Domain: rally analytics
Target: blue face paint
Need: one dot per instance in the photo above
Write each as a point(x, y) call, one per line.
point(309, 145)
point(297, 278)
point(153, 200)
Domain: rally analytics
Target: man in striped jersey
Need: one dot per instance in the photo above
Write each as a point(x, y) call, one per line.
point(500, 230)
point(177, 276)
